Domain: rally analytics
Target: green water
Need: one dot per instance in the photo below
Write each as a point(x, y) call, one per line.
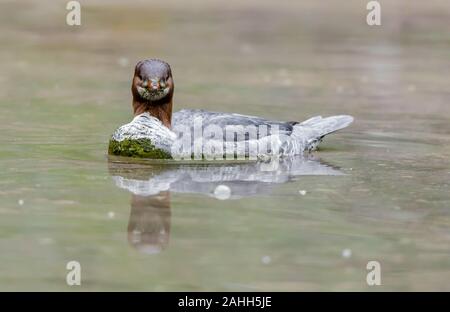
point(64, 90)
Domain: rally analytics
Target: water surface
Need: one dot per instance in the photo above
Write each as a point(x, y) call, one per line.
point(64, 90)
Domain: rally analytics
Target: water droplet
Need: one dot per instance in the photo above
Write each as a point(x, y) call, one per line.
point(222, 192)
point(266, 260)
point(346, 253)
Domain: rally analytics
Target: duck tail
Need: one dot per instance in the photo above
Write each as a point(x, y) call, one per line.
point(313, 130)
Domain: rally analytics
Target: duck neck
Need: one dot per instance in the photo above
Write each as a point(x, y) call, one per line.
point(162, 111)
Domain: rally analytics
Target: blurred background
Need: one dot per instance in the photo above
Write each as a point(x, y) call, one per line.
point(64, 89)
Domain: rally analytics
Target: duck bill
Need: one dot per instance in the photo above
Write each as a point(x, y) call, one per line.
point(153, 94)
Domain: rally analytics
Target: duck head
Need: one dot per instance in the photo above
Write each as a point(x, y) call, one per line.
point(152, 88)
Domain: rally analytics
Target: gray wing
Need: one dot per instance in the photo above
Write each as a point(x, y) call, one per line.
point(185, 119)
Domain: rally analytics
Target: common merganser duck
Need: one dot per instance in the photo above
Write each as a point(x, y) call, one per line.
point(157, 133)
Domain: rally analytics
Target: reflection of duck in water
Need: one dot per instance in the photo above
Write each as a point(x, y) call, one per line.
point(149, 224)
point(241, 180)
point(154, 128)
point(151, 185)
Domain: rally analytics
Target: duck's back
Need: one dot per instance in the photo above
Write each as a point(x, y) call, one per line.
point(187, 118)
